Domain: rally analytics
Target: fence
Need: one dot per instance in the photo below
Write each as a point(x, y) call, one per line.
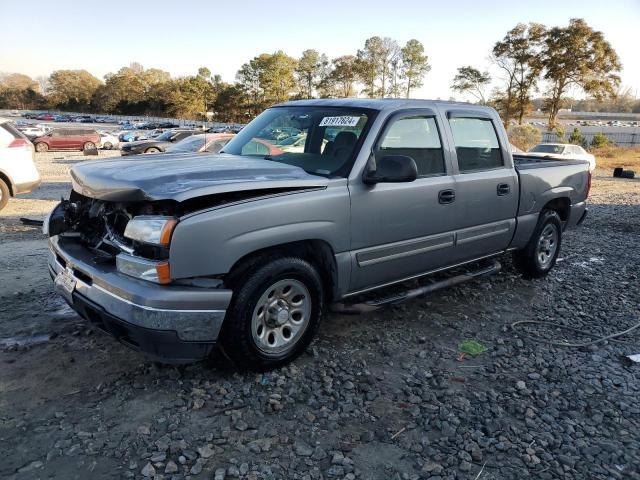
point(621, 139)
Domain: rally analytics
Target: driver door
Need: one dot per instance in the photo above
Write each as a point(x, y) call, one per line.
point(400, 230)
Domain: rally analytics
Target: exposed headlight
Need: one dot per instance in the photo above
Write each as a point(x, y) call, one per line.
point(143, 269)
point(151, 229)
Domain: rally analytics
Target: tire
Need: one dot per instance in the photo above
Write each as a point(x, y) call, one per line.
point(4, 194)
point(256, 334)
point(152, 150)
point(539, 256)
point(88, 146)
point(42, 147)
point(107, 146)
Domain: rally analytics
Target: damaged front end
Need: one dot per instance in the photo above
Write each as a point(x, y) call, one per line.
point(101, 226)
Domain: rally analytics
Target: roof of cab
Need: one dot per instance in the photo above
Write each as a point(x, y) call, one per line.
point(377, 103)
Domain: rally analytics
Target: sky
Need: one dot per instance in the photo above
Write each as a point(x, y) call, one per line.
point(180, 37)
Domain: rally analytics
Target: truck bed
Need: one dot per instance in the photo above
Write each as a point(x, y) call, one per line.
point(524, 162)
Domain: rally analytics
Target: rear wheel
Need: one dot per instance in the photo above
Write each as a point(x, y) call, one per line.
point(41, 147)
point(89, 146)
point(274, 314)
point(107, 145)
point(152, 150)
point(539, 256)
point(4, 194)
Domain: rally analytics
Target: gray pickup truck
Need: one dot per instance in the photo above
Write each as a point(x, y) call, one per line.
point(314, 203)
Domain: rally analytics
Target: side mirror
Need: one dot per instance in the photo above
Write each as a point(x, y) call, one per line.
point(391, 169)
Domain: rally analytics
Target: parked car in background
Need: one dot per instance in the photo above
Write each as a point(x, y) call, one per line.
point(158, 144)
point(67, 139)
point(134, 135)
point(33, 131)
point(201, 142)
point(108, 140)
point(18, 173)
point(564, 151)
point(45, 116)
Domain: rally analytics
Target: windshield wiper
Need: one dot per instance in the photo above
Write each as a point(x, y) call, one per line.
point(268, 157)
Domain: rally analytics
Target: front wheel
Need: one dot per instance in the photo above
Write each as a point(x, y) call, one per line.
point(152, 150)
point(107, 145)
point(540, 255)
point(41, 147)
point(274, 314)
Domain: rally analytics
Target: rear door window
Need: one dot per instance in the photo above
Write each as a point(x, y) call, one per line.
point(476, 143)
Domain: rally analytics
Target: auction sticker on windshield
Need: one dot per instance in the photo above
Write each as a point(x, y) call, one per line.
point(339, 121)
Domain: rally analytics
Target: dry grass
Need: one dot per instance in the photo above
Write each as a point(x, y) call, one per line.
point(612, 157)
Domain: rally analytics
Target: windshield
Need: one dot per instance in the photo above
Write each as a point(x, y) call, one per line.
point(321, 140)
point(189, 144)
point(558, 149)
point(166, 136)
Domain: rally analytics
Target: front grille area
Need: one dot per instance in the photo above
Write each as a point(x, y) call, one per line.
point(101, 225)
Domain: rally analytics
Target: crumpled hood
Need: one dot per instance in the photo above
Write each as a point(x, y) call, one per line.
point(183, 176)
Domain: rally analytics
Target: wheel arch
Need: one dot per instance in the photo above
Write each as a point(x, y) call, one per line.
point(560, 205)
point(7, 180)
point(317, 252)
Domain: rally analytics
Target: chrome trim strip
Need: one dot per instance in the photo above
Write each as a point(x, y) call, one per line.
point(481, 236)
point(428, 272)
point(434, 242)
point(152, 309)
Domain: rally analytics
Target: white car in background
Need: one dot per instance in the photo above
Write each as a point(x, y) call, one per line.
point(566, 151)
point(33, 131)
point(108, 140)
point(18, 173)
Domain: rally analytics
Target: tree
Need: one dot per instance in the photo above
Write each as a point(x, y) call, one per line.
point(311, 69)
point(599, 140)
point(132, 90)
point(20, 91)
point(341, 79)
point(376, 62)
point(232, 104)
point(368, 65)
point(17, 81)
point(268, 79)
point(471, 80)
point(576, 137)
point(524, 136)
point(518, 54)
point(389, 58)
point(415, 65)
point(578, 56)
point(72, 89)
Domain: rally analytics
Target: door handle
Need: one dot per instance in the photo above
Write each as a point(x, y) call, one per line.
point(446, 196)
point(503, 189)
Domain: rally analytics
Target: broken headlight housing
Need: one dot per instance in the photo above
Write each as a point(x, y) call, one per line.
point(151, 229)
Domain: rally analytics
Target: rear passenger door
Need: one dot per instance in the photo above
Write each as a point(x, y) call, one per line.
point(486, 184)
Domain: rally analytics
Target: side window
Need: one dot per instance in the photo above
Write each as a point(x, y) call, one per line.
point(216, 146)
point(416, 137)
point(476, 143)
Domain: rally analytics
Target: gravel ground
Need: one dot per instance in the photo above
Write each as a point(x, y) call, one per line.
point(384, 395)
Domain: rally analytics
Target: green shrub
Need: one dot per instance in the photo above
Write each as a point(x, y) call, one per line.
point(576, 137)
point(599, 140)
point(525, 136)
point(560, 133)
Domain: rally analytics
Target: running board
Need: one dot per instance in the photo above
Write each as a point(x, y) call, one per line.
point(372, 305)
